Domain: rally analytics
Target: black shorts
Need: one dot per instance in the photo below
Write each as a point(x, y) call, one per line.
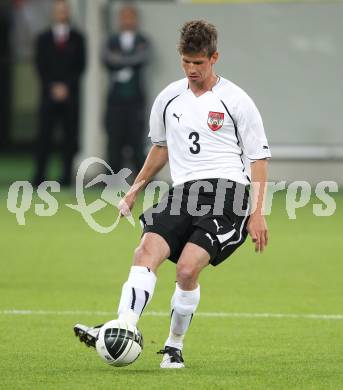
point(211, 213)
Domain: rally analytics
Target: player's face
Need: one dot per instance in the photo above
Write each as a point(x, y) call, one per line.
point(198, 67)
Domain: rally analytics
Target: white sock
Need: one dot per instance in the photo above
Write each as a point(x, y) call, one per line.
point(136, 293)
point(183, 306)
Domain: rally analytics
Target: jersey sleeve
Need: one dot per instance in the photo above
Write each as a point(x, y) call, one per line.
point(157, 132)
point(251, 130)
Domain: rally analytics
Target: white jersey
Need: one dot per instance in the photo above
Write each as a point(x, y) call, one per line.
point(209, 136)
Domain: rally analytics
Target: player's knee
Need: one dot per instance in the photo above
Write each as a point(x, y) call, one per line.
point(186, 273)
point(144, 256)
point(141, 254)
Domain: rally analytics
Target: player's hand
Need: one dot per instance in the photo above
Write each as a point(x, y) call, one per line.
point(126, 204)
point(258, 230)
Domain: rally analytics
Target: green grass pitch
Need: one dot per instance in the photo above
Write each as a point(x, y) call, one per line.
point(57, 266)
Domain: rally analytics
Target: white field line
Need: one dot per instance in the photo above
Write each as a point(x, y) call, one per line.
point(15, 312)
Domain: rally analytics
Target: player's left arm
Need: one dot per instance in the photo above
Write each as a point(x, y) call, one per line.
point(256, 149)
point(257, 225)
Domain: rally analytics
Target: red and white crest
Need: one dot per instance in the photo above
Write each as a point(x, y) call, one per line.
point(215, 120)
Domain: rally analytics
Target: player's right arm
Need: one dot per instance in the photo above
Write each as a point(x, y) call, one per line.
point(155, 161)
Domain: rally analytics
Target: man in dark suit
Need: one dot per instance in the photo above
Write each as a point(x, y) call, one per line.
point(125, 55)
point(60, 62)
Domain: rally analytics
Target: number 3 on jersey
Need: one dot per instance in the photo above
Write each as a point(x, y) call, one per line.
point(194, 137)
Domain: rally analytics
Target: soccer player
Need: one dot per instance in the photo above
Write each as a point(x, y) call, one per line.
point(206, 127)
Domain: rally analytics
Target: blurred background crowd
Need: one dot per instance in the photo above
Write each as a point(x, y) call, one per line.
point(77, 79)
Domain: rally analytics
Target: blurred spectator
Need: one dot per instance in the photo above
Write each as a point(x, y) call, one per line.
point(125, 55)
point(60, 62)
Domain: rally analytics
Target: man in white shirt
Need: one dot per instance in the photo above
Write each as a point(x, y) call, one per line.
point(125, 56)
point(208, 128)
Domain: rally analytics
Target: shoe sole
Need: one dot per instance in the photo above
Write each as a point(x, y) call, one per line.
point(172, 367)
point(167, 364)
point(84, 337)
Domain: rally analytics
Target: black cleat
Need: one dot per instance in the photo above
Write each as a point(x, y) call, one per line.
point(87, 335)
point(172, 358)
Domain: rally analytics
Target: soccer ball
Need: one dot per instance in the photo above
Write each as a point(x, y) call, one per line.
point(119, 343)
